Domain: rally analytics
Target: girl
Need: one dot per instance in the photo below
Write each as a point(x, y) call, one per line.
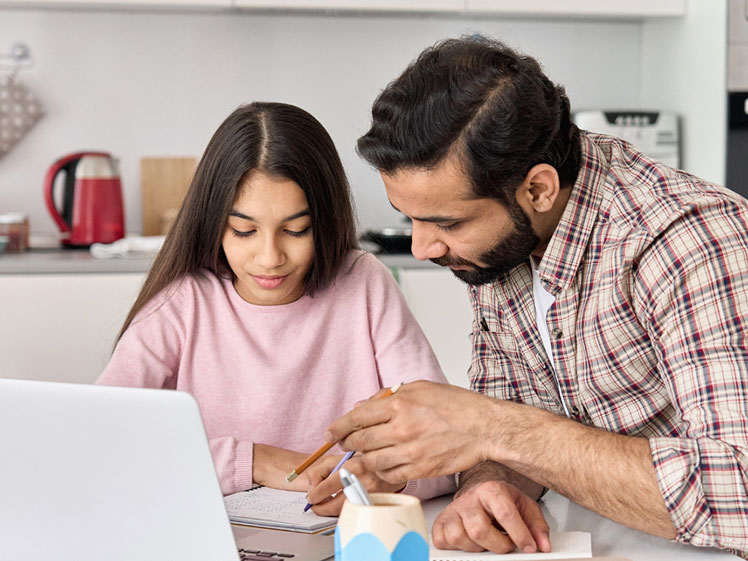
point(262, 308)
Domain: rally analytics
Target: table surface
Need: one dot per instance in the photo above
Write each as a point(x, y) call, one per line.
point(608, 537)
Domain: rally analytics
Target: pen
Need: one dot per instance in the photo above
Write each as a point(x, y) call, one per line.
point(325, 447)
point(343, 460)
point(353, 489)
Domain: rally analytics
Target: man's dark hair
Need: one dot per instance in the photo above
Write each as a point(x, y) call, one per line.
point(476, 98)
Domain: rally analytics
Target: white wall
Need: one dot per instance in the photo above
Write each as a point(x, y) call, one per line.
point(158, 84)
point(684, 68)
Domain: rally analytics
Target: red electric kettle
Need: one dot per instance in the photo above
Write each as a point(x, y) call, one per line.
point(92, 209)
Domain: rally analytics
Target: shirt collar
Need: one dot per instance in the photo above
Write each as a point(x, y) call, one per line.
point(569, 241)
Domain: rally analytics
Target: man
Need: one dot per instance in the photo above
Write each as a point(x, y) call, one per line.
point(610, 298)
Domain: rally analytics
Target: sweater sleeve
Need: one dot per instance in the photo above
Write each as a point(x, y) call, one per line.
point(149, 356)
point(403, 354)
point(149, 352)
point(233, 460)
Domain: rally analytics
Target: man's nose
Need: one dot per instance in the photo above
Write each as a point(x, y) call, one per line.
point(425, 244)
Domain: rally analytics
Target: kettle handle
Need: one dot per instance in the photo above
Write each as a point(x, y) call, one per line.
point(49, 183)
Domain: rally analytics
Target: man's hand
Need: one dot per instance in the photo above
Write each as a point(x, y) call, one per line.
point(470, 522)
point(323, 485)
point(423, 430)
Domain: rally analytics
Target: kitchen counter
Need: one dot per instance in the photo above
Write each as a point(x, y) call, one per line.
point(68, 261)
point(63, 261)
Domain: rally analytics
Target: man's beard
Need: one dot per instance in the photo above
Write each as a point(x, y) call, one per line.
point(509, 252)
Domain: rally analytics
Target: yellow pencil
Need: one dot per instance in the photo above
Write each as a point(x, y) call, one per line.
point(318, 454)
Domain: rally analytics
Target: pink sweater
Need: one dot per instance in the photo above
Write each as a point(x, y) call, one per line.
point(276, 375)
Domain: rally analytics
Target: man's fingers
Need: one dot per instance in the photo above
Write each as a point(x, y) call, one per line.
point(379, 394)
point(446, 518)
point(535, 521)
point(437, 533)
point(456, 537)
point(482, 532)
point(368, 439)
point(366, 415)
point(506, 513)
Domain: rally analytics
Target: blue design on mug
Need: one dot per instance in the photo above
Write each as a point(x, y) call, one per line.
point(367, 547)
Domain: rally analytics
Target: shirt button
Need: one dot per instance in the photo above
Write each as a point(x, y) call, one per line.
point(557, 333)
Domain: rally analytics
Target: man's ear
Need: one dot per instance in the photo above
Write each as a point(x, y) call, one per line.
point(540, 188)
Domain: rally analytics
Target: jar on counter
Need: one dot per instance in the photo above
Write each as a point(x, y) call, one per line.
point(15, 225)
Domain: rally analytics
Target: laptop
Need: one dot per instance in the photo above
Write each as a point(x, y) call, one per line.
point(93, 473)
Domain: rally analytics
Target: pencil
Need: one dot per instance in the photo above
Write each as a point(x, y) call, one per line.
point(318, 454)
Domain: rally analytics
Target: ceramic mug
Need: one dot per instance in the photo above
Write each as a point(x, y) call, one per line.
point(393, 529)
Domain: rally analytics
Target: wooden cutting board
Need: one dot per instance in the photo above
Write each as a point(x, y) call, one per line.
point(163, 185)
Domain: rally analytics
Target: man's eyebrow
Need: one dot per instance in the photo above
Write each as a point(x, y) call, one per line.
point(434, 219)
point(294, 216)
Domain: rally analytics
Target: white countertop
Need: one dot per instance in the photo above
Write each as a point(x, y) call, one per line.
point(67, 261)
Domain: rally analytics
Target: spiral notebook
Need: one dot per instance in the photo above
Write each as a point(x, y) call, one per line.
point(275, 508)
point(566, 545)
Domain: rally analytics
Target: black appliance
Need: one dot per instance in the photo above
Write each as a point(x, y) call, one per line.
point(737, 98)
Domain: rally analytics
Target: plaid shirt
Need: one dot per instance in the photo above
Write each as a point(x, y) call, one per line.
point(649, 267)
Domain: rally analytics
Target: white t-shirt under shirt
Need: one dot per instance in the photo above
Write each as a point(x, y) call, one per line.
point(543, 302)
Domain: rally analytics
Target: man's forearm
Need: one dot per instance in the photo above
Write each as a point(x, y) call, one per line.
point(493, 471)
point(606, 472)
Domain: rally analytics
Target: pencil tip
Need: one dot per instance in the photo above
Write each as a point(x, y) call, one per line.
point(291, 476)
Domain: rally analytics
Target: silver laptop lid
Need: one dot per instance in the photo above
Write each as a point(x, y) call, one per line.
point(89, 473)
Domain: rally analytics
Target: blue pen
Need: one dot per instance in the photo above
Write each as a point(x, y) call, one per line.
point(343, 460)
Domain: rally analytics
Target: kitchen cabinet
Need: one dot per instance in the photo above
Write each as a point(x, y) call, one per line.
point(62, 327)
point(453, 6)
point(440, 304)
point(117, 3)
point(579, 8)
point(608, 9)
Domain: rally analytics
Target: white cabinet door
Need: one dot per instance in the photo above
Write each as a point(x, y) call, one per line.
point(118, 3)
point(455, 6)
point(62, 327)
point(581, 8)
point(440, 304)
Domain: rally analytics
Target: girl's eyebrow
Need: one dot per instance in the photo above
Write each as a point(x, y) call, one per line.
point(294, 216)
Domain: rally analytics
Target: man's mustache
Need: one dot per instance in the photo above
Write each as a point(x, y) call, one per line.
point(447, 262)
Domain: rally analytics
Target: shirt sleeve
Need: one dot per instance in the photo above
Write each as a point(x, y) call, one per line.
point(692, 284)
point(402, 352)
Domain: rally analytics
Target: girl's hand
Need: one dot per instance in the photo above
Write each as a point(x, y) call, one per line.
point(271, 465)
point(322, 485)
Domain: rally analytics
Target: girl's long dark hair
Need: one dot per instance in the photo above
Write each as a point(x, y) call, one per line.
point(274, 138)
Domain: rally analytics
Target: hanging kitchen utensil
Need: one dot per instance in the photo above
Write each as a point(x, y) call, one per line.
point(20, 109)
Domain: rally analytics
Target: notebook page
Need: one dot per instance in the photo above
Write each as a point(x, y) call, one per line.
point(565, 545)
point(274, 508)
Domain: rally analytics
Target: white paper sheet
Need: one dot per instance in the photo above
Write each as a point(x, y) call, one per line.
point(565, 545)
